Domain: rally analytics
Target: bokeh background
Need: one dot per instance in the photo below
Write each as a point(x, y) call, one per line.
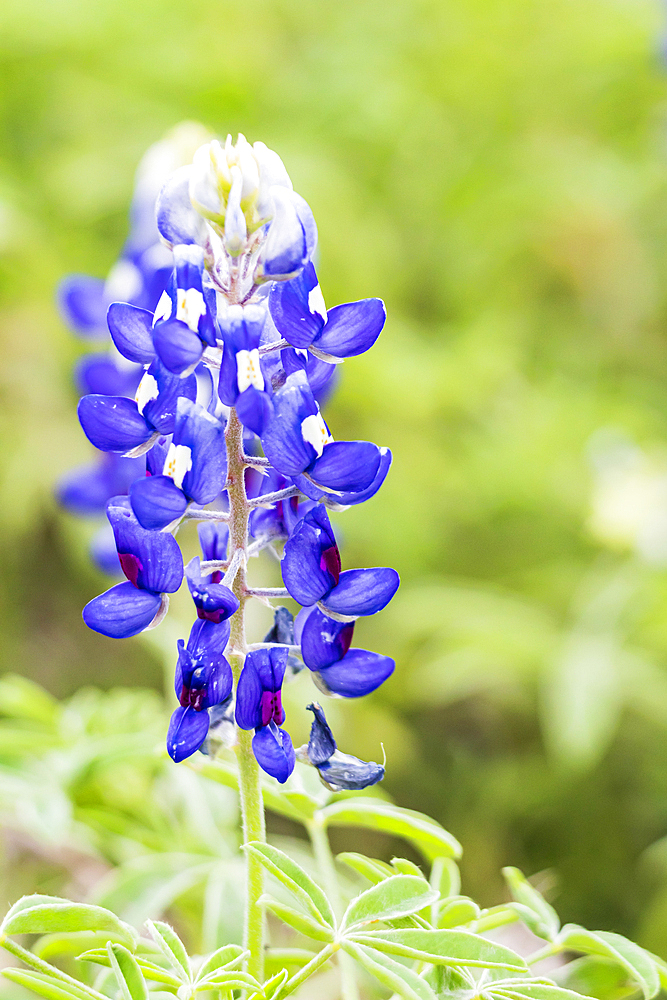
point(496, 170)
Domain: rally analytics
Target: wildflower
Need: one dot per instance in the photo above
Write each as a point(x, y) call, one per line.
point(259, 707)
point(337, 770)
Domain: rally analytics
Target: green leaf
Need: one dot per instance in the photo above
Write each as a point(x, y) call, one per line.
point(371, 868)
point(149, 969)
point(274, 985)
point(547, 923)
point(394, 897)
point(171, 947)
point(232, 980)
point(51, 914)
point(532, 991)
point(444, 948)
point(457, 912)
point(445, 877)
point(72, 943)
point(431, 839)
point(277, 959)
point(231, 956)
point(448, 979)
point(402, 866)
point(391, 974)
point(299, 921)
point(637, 962)
point(296, 879)
point(127, 972)
point(45, 986)
point(600, 977)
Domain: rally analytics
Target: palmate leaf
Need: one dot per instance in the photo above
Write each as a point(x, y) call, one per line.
point(638, 963)
point(45, 986)
point(172, 948)
point(299, 921)
point(546, 924)
point(600, 977)
point(149, 969)
point(443, 947)
point(445, 877)
point(231, 980)
point(397, 896)
point(128, 974)
point(427, 835)
point(295, 879)
point(72, 943)
point(390, 973)
point(371, 868)
point(230, 956)
point(457, 912)
point(40, 914)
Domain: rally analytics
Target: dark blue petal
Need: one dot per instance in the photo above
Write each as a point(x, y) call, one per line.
point(131, 330)
point(213, 538)
point(85, 490)
point(113, 423)
point(348, 466)
point(274, 752)
point(323, 640)
point(99, 374)
point(151, 560)
point(282, 629)
point(214, 601)
point(357, 674)
point(187, 731)
point(160, 412)
point(283, 440)
point(291, 304)
point(177, 220)
point(177, 347)
point(157, 501)
point(343, 771)
point(319, 373)
point(249, 693)
point(351, 328)
point(122, 611)
point(103, 552)
point(363, 591)
point(83, 305)
point(156, 457)
point(204, 435)
point(321, 744)
point(207, 641)
point(254, 409)
point(349, 499)
point(203, 676)
point(310, 565)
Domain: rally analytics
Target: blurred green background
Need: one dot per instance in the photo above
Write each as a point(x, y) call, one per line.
point(496, 170)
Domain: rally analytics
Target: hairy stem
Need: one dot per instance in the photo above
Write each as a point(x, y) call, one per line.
point(307, 971)
point(252, 807)
point(319, 838)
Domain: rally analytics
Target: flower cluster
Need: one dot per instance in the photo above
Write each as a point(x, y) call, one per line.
point(227, 351)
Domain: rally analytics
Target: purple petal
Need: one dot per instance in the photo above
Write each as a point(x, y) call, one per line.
point(249, 692)
point(207, 641)
point(348, 466)
point(357, 674)
point(363, 591)
point(157, 501)
point(343, 771)
point(176, 345)
point(131, 329)
point(155, 561)
point(187, 731)
point(214, 601)
point(112, 423)
point(83, 305)
point(213, 538)
point(274, 752)
point(309, 566)
point(323, 640)
point(352, 328)
point(122, 611)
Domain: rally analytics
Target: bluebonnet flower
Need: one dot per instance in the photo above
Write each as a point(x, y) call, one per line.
point(338, 771)
point(214, 601)
point(203, 680)
point(214, 541)
point(242, 382)
point(153, 565)
point(259, 707)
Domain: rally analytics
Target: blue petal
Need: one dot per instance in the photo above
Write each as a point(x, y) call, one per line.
point(352, 328)
point(254, 409)
point(343, 771)
point(285, 250)
point(157, 501)
point(207, 641)
point(249, 693)
point(213, 538)
point(161, 411)
point(103, 552)
point(291, 311)
point(363, 591)
point(177, 220)
point(348, 499)
point(274, 752)
point(282, 629)
point(321, 744)
point(319, 373)
point(283, 441)
point(112, 423)
point(131, 329)
point(83, 305)
point(348, 466)
point(357, 674)
point(214, 601)
point(204, 435)
point(323, 640)
point(99, 374)
point(308, 566)
point(152, 560)
point(187, 731)
point(85, 490)
point(122, 611)
point(176, 345)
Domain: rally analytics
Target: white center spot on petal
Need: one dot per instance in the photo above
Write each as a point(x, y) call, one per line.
point(190, 306)
point(146, 391)
point(177, 463)
point(163, 309)
point(249, 371)
point(316, 302)
point(315, 432)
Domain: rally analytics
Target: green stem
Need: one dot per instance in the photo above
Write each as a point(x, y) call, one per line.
point(252, 807)
point(50, 970)
point(307, 971)
point(319, 838)
point(554, 948)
